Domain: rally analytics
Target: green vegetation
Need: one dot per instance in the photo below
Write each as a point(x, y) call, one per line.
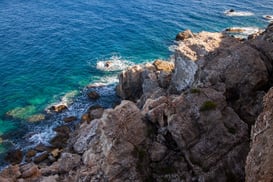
point(232, 130)
point(168, 170)
point(208, 105)
point(195, 91)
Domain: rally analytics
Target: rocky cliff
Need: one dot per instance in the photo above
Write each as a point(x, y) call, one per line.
point(187, 120)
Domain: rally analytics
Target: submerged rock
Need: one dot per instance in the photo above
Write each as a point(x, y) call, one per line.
point(70, 119)
point(58, 108)
point(93, 95)
point(36, 118)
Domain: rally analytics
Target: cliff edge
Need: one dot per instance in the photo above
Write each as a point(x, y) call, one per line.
point(187, 120)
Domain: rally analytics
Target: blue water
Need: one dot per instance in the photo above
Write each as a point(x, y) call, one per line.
point(49, 50)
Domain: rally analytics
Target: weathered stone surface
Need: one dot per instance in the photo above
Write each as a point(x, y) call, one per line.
point(165, 66)
point(259, 161)
point(30, 171)
point(158, 151)
point(184, 35)
point(211, 138)
point(10, 174)
point(58, 108)
point(146, 81)
point(121, 132)
point(14, 156)
point(130, 82)
point(31, 153)
point(41, 157)
point(59, 141)
point(70, 119)
point(93, 95)
point(65, 163)
point(50, 179)
point(184, 74)
point(95, 112)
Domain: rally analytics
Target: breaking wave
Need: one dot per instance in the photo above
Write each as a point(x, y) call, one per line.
point(238, 13)
point(115, 63)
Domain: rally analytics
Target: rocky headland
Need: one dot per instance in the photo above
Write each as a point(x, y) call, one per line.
point(207, 116)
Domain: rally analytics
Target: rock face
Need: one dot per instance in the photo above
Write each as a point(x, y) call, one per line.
point(259, 161)
point(146, 81)
point(203, 139)
point(122, 130)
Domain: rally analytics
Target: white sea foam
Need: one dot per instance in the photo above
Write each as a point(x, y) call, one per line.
point(66, 100)
point(268, 17)
point(43, 136)
point(238, 13)
point(172, 48)
point(115, 63)
point(68, 97)
point(243, 32)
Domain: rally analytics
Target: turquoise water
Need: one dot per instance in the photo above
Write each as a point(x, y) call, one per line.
point(49, 50)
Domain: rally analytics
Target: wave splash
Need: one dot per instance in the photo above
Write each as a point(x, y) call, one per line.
point(238, 13)
point(115, 63)
point(242, 32)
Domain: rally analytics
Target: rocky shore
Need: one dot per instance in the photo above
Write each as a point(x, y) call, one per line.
point(207, 116)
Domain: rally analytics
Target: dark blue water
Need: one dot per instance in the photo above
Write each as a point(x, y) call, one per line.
point(50, 50)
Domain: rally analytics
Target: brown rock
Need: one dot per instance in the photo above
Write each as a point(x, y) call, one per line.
point(158, 151)
point(93, 95)
point(86, 117)
point(30, 171)
point(11, 173)
point(235, 30)
point(130, 83)
point(70, 119)
point(41, 157)
point(95, 112)
point(58, 108)
point(65, 163)
point(60, 140)
point(56, 152)
point(41, 148)
point(121, 128)
point(31, 153)
point(258, 165)
point(14, 156)
point(62, 130)
point(54, 178)
point(184, 35)
point(163, 65)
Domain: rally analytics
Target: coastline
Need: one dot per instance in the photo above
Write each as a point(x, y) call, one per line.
point(206, 101)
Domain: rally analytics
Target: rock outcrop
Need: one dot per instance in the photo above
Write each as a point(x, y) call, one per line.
point(259, 161)
point(184, 121)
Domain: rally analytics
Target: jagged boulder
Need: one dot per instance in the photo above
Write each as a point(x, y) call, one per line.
point(184, 35)
point(130, 82)
point(108, 143)
point(259, 160)
point(144, 81)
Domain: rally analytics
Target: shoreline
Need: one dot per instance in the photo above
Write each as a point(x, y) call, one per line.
point(206, 100)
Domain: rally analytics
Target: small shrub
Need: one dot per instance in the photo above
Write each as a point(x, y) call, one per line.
point(195, 91)
point(232, 130)
point(208, 105)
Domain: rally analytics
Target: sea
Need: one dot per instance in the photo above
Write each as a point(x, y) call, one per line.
point(55, 51)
